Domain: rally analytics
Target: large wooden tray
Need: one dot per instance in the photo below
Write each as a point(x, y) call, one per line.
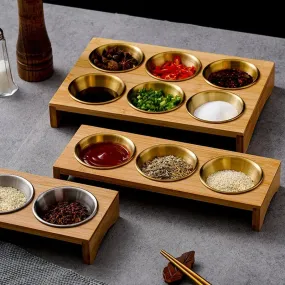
point(241, 129)
point(88, 235)
point(256, 201)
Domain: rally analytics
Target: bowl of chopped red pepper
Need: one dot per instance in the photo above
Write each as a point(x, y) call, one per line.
point(116, 57)
point(231, 74)
point(173, 66)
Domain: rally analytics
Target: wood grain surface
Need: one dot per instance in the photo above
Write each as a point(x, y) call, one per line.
point(179, 119)
point(190, 188)
point(89, 234)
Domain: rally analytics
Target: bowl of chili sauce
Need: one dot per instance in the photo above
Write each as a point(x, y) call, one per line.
point(173, 66)
point(231, 74)
point(104, 151)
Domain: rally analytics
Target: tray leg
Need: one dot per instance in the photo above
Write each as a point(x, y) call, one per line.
point(54, 117)
point(240, 144)
point(58, 175)
point(257, 220)
point(90, 248)
point(258, 214)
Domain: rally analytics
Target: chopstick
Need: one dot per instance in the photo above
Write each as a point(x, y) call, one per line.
point(187, 271)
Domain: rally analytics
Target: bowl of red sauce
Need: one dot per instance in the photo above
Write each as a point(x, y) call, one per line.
point(231, 74)
point(173, 66)
point(104, 151)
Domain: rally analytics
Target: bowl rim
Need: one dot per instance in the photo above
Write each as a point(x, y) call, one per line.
point(195, 167)
point(231, 59)
point(152, 112)
point(97, 74)
point(30, 185)
point(177, 52)
point(69, 225)
point(116, 44)
point(232, 156)
point(216, 122)
point(102, 167)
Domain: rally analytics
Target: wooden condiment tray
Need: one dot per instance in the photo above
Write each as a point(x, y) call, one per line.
point(241, 129)
point(256, 200)
point(88, 235)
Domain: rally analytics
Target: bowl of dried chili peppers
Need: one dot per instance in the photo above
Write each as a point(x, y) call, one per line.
point(65, 207)
point(231, 74)
point(116, 57)
point(173, 66)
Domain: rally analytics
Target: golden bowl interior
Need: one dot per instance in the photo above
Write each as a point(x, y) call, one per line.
point(133, 50)
point(222, 64)
point(102, 137)
point(96, 80)
point(163, 150)
point(247, 166)
point(167, 88)
point(215, 95)
point(160, 58)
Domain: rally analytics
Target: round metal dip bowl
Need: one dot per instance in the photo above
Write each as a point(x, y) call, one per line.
point(223, 64)
point(164, 150)
point(167, 88)
point(103, 137)
point(160, 58)
point(247, 166)
point(65, 194)
point(133, 50)
point(19, 183)
point(215, 95)
point(96, 80)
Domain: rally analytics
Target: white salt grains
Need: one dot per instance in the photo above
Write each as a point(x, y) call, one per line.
point(11, 198)
point(216, 111)
point(230, 181)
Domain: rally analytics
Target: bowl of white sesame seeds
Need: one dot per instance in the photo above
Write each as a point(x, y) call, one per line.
point(15, 193)
point(231, 174)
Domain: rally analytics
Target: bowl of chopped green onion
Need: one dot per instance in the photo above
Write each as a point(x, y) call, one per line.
point(156, 97)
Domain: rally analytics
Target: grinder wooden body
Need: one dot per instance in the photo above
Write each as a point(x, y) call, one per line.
point(34, 52)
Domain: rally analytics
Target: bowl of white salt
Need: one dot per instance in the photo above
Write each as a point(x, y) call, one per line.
point(15, 193)
point(215, 106)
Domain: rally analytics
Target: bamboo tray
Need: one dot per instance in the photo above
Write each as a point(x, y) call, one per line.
point(241, 129)
point(256, 200)
point(88, 235)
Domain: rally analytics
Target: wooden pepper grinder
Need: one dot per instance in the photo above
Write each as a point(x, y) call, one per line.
point(34, 52)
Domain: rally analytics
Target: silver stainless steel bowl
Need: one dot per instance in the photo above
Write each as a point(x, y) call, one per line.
point(20, 183)
point(65, 194)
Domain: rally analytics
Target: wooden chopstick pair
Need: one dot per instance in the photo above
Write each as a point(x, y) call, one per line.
point(187, 271)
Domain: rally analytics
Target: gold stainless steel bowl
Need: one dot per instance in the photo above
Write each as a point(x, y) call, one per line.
point(104, 137)
point(247, 166)
point(222, 64)
point(163, 150)
point(133, 50)
point(167, 88)
point(215, 95)
point(160, 58)
point(96, 80)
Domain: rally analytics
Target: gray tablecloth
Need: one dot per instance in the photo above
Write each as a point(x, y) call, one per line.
point(18, 267)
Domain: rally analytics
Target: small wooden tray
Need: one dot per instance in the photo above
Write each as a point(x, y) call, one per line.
point(240, 129)
point(256, 200)
point(88, 235)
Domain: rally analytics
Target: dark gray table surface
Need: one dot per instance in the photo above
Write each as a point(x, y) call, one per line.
point(227, 250)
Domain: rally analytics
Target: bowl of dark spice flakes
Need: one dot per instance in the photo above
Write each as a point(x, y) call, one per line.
point(116, 57)
point(166, 162)
point(231, 74)
point(64, 207)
